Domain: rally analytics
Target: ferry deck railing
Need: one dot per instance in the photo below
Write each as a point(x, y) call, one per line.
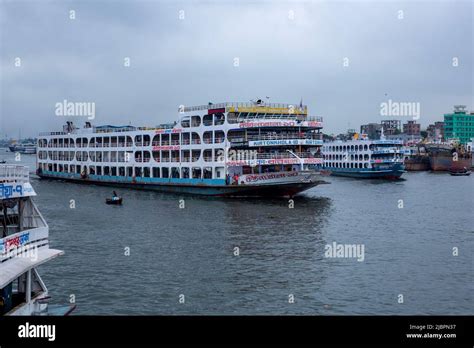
point(14, 173)
point(241, 105)
point(279, 155)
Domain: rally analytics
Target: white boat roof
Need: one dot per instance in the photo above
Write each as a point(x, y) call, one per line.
point(13, 268)
point(14, 182)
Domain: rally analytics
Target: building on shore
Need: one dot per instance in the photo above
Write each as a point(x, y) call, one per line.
point(412, 128)
point(391, 127)
point(373, 130)
point(459, 124)
point(435, 132)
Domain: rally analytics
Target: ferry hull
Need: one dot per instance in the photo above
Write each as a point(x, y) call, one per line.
point(267, 190)
point(389, 175)
point(393, 173)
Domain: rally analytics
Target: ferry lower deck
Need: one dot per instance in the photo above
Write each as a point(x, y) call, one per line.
point(246, 186)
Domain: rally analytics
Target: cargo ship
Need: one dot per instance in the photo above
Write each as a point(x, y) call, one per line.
point(448, 156)
point(417, 159)
point(225, 149)
point(24, 246)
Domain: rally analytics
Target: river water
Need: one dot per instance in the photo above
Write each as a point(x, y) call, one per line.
point(139, 258)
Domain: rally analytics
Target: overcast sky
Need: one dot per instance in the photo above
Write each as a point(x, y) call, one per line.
point(286, 50)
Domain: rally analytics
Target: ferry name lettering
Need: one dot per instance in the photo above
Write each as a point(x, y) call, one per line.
point(266, 124)
point(253, 178)
point(17, 241)
point(8, 190)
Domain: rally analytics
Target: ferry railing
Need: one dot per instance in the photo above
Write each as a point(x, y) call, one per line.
point(283, 137)
point(387, 160)
point(15, 173)
point(52, 133)
point(241, 105)
point(286, 155)
point(314, 118)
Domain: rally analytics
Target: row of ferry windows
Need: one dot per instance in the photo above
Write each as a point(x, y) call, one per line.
point(219, 118)
point(208, 155)
point(346, 165)
point(365, 157)
point(145, 172)
point(339, 148)
point(209, 137)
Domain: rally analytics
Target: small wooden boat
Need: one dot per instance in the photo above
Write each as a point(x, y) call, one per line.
point(462, 172)
point(114, 201)
point(3, 162)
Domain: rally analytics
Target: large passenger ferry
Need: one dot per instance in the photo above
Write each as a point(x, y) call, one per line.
point(225, 149)
point(363, 158)
point(24, 246)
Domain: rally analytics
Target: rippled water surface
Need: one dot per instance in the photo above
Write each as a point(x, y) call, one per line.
point(190, 251)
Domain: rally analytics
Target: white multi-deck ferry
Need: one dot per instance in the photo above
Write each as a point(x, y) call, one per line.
point(24, 246)
point(226, 149)
point(363, 158)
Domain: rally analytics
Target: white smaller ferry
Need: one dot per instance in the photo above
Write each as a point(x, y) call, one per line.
point(24, 246)
point(364, 158)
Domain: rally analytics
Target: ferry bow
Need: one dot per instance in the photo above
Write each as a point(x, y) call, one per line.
point(24, 246)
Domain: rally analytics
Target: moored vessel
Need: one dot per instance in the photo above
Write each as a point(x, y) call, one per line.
point(24, 245)
point(416, 159)
point(23, 148)
point(364, 159)
point(448, 156)
point(225, 149)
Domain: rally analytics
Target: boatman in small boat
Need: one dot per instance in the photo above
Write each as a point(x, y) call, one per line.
point(114, 196)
